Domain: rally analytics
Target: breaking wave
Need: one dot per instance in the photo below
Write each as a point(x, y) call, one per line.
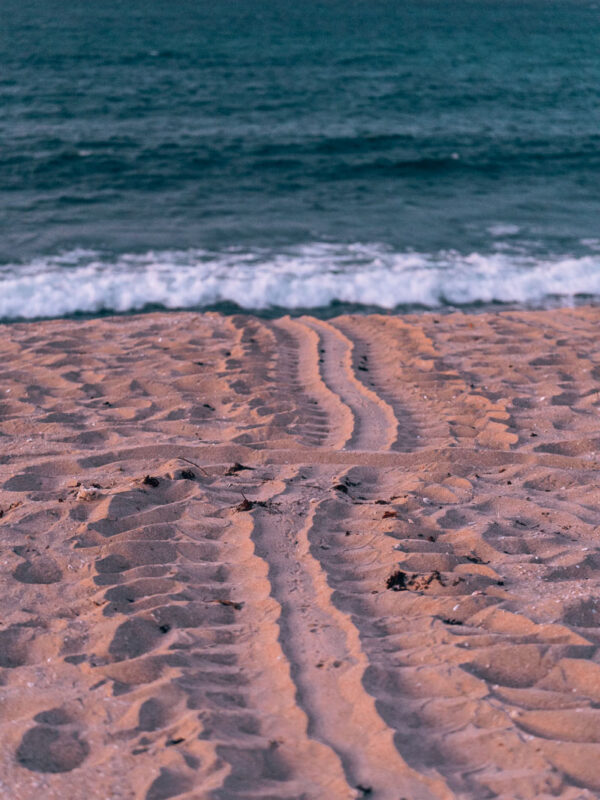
point(309, 277)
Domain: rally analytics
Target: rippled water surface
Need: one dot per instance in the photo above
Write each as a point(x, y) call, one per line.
point(294, 154)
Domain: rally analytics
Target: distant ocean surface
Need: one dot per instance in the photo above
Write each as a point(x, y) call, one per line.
point(280, 156)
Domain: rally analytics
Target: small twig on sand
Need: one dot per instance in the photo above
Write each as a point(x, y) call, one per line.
point(245, 505)
point(193, 463)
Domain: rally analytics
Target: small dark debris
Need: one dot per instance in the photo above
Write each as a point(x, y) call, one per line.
point(232, 603)
point(434, 576)
point(245, 505)
point(16, 504)
point(397, 581)
point(237, 467)
point(499, 583)
point(389, 514)
point(451, 621)
point(382, 502)
point(188, 475)
point(362, 368)
point(208, 405)
point(76, 659)
point(414, 582)
point(164, 628)
point(533, 434)
point(106, 403)
point(340, 487)
point(474, 559)
point(151, 481)
point(174, 741)
point(366, 790)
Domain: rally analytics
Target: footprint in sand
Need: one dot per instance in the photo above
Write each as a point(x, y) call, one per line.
point(53, 745)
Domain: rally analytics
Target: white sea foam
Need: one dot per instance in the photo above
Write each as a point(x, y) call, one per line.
point(305, 277)
point(503, 230)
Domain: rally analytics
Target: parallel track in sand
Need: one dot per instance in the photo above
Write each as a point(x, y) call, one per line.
point(301, 559)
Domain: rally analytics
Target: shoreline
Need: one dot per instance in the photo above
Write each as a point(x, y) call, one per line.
point(339, 557)
point(330, 312)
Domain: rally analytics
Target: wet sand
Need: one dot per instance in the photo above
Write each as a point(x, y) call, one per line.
point(301, 559)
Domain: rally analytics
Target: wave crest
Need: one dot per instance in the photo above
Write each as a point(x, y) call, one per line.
point(309, 277)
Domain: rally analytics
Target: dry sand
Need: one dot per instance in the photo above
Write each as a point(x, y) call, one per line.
point(396, 597)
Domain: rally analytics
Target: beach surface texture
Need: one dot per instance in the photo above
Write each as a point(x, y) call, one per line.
point(296, 558)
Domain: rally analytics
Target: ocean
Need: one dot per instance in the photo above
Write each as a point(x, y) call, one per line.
point(279, 156)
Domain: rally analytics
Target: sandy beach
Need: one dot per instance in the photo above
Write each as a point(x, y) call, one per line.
point(298, 558)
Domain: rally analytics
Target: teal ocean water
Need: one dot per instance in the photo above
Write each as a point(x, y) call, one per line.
point(283, 155)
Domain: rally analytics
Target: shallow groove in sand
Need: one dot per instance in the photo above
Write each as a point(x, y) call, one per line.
point(322, 417)
point(375, 423)
point(327, 662)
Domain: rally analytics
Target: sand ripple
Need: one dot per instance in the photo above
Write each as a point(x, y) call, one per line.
point(301, 559)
